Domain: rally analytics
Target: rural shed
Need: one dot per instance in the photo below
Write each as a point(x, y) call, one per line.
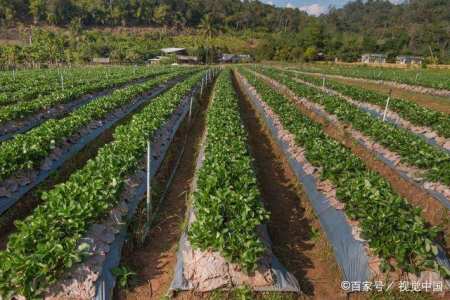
point(185, 59)
point(101, 60)
point(176, 51)
point(373, 58)
point(409, 60)
point(157, 60)
point(229, 58)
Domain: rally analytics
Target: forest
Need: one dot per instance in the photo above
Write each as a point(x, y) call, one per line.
point(76, 31)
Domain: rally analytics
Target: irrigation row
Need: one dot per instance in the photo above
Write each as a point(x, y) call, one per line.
point(439, 190)
point(17, 126)
point(413, 88)
point(357, 260)
point(14, 188)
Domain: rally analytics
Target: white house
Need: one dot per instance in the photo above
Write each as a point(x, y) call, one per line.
point(373, 58)
point(409, 60)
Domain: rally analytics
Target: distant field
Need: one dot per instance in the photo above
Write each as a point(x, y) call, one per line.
point(434, 78)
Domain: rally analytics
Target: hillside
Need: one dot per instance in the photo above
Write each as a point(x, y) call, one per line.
point(267, 32)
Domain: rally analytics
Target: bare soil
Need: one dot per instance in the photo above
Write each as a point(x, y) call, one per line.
point(32, 199)
point(432, 210)
point(441, 104)
point(298, 241)
point(154, 263)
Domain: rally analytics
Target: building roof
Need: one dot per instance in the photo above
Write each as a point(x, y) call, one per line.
point(227, 56)
point(374, 55)
point(100, 59)
point(409, 57)
point(186, 57)
point(172, 50)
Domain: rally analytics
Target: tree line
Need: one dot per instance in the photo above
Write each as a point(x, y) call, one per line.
point(416, 27)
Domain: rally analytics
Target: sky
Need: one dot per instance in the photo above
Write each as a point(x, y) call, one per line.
point(312, 7)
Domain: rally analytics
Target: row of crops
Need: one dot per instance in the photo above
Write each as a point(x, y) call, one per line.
point(412, 149)
point(87, 85)
point(45, 243)
point(31, 87)
point(416, 114)
point(27, 150)
point(227, 201)
point(438, 79)
point(229, 210)
point(393, 228)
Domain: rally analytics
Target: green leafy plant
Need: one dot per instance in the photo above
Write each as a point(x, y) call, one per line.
point(227, 200)
point(26, 150)
point(392, 227)
point(124, 276)
point(412, 149)
point(31, 97)
point(44, 245)
point(428, 78)
point(416, 114)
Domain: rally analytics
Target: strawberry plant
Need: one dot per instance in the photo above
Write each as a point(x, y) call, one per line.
point(227, 201)
point(408, 110)
point(25, 151)
point(392, 227)
point(25, 89)
point(438, 79)
point(412, 149)
point(25, 108)
point(45, 243)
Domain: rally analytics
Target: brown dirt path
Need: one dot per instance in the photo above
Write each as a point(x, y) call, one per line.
point(154, 263)
point(441, 104)
point(298, 241)
point(433, 210)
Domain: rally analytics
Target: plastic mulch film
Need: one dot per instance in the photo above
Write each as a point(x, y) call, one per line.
point(107, 281)
point(11, 128)
point(8, 201)
point(210, 271)
point(350, 253)
point(430, 141)
point(441, 197)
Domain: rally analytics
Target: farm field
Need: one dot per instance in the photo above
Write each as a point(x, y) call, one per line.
point(247, 181)
point(438, 79)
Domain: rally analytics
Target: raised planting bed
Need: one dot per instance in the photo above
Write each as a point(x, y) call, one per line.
point(372, 230)
point(94, 278)
point(30, 158)
point(423, 81)
point(414, 176)
point(435, 125)
point(412, 149)
point(226, 245)
point(15, 116)
point(46, 82)
point(50, 242)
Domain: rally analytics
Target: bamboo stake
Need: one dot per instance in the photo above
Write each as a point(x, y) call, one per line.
point(149, 186)
point(387, 105)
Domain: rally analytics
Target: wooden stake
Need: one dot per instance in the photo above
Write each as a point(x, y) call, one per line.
point(62, 80)
point(149, 186)
point(190, 109)
point(387, 105)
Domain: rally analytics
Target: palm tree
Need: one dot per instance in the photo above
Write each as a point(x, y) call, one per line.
point(207, 26)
